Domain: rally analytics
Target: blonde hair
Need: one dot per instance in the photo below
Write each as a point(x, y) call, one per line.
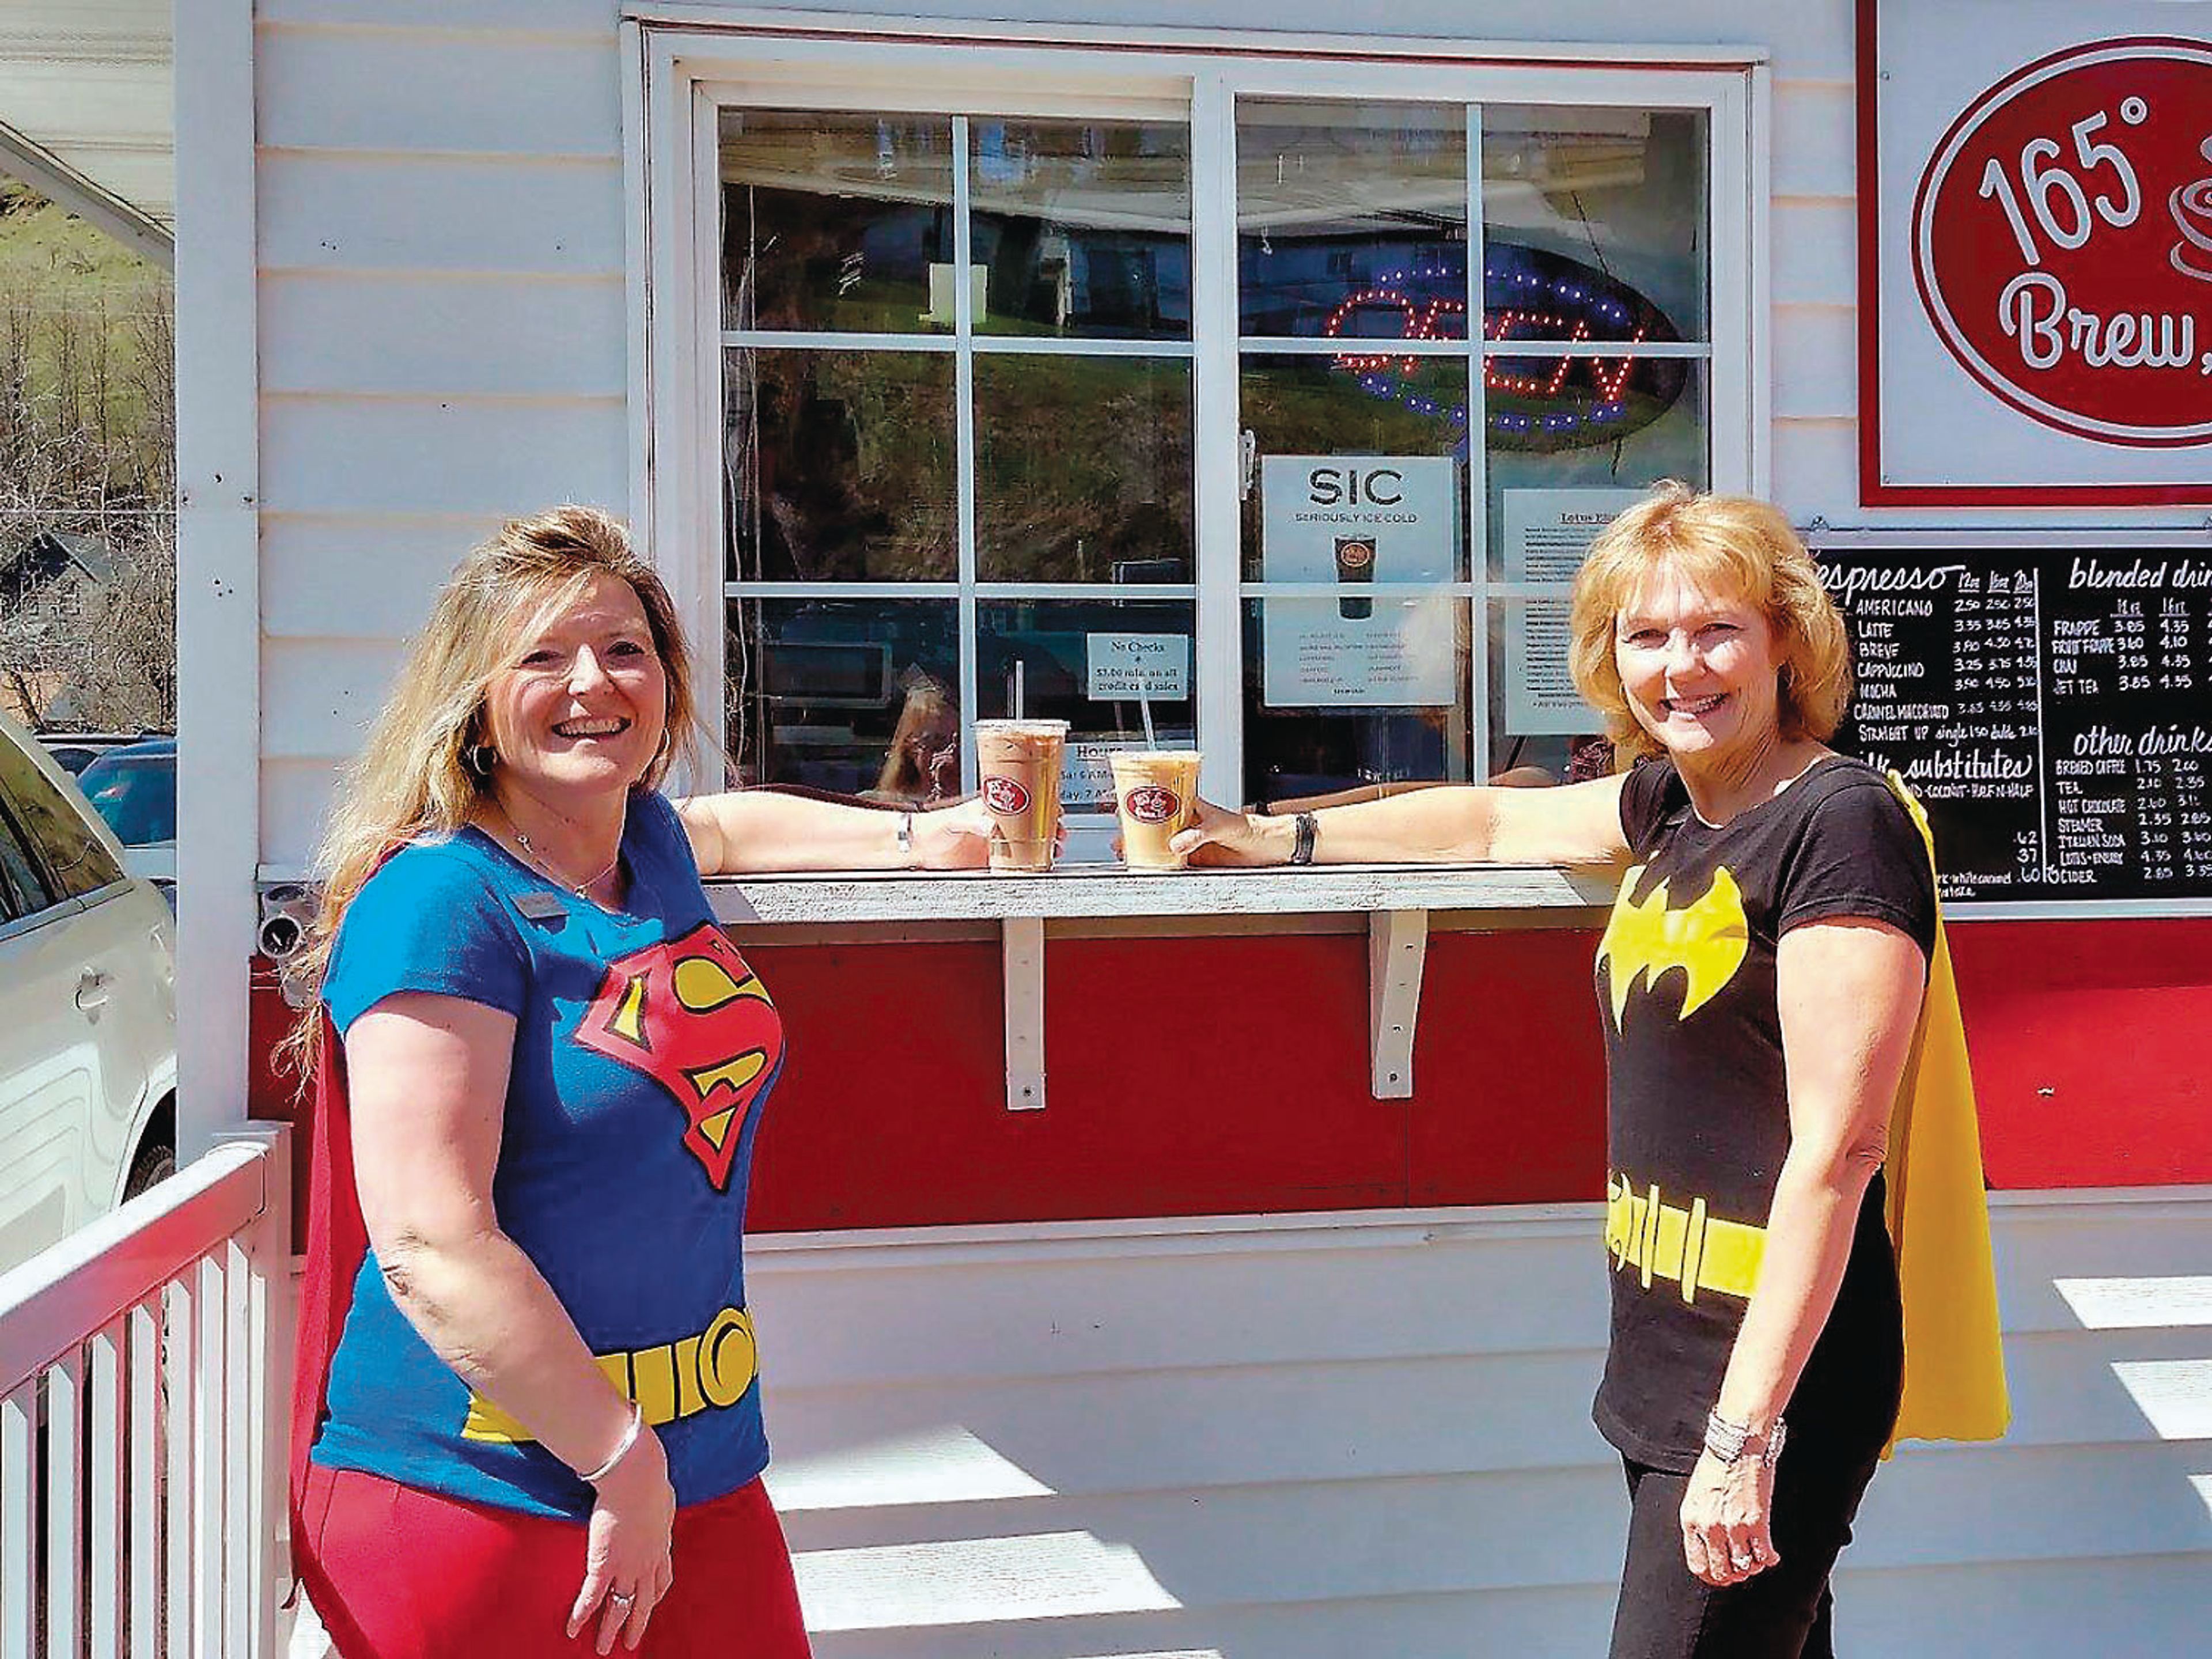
point(1730, 544)
point(412, 780)
point(923, 719)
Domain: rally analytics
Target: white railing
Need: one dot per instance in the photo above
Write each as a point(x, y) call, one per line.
point(144, 1367)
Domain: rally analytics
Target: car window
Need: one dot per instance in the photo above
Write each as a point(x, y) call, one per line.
point(22, 889)
point(74, 858)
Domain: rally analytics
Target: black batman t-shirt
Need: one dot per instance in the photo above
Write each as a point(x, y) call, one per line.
point(1699, 1117)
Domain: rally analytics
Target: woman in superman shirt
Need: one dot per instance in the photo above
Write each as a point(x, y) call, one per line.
point(528, 1418)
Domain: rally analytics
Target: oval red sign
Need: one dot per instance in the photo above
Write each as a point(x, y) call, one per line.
point(1150, 803)
point(2062, 241)
point(1006, 797)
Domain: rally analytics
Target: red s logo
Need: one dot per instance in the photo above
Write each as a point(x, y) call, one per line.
point(691, 1015)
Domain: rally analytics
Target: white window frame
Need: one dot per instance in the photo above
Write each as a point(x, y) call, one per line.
point(682, 64)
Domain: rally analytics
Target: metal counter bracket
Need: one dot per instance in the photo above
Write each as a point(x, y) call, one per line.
point(1022, 940)
point(1397, 949)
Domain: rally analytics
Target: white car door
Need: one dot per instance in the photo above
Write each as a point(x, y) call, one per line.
point(87, 1022)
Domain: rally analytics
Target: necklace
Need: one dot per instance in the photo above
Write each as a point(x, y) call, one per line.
point(581, 889)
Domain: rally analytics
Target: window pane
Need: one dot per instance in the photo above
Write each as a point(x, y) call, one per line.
point(1541, 732)
point(1336, 702)
point(1617, 424)
point(861, 696)
point(1083, 469)
point(1082, 227)
point(1594, 219)
point(1361, 409)
point(22, 886)
point(1351, 219)
point(834, 222)
point(76, 861)
point(1079, 659)
point(841, 465)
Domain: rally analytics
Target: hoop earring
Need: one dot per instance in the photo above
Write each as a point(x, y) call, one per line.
point(667, 747)
point(479, 758)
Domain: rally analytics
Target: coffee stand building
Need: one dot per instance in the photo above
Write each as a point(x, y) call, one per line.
point(1211, 1265)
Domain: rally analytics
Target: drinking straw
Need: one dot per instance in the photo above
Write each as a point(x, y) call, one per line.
point(1145, 712)
point(1018, 688)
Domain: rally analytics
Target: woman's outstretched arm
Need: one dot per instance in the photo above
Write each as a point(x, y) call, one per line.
point(754, 831)
point(1579, 823)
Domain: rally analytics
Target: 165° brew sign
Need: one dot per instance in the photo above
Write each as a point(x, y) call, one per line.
point(2059, 244)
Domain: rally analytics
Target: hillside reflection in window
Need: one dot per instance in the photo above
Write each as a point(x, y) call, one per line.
point(858, 696)
point(839, 466)
point(1339, 205)
point(834, 222)
point(1083, 469)
point(1082, 227)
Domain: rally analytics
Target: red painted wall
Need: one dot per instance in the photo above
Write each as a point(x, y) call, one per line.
point(1202, 1076)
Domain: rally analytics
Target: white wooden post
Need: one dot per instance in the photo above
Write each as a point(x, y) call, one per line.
point(218, 564)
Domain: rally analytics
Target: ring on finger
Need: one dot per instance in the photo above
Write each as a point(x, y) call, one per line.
point(624, 1599)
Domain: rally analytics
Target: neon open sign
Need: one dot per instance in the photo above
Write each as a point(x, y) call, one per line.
point(1563, 395)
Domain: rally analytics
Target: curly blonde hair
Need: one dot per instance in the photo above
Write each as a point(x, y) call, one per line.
point(1728, 545)
point(411, 781)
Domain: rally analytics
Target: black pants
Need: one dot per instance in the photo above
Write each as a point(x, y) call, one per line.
point(1784, 1612)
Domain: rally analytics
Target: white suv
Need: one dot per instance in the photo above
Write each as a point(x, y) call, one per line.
point(88, 1011)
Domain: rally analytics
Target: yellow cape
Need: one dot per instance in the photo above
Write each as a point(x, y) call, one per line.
point(1939, 1221)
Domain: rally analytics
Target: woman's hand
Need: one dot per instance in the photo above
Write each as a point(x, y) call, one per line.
point(1728, 1534)
point(1217, 835)
point(626, 1564)
point(956, 837)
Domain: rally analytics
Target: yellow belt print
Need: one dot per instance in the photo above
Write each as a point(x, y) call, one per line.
point(1698, 1251)
point(694, 1374)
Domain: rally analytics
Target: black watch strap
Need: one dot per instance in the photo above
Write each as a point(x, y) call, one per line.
point(1302, 841)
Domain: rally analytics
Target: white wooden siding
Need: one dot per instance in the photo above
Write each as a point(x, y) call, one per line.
point(1368, 1435)
point(443, 333)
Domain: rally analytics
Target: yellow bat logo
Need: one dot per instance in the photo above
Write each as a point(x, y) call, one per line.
point(1706, 940)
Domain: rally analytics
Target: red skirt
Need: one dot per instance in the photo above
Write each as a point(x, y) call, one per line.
point(396, 1572)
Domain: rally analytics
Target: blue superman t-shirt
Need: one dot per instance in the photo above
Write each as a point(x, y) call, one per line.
point(644, 1049)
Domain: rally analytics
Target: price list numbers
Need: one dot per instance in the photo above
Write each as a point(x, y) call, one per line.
point(2128, 720)
point(2052, 708)
point(2174, 664)
point(2183, 828)
point(1996, 680)
point(2151, 783)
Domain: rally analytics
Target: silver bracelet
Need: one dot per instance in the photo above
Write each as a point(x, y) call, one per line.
point(905, 832)
point(622, 1447)
point(1729, 1442)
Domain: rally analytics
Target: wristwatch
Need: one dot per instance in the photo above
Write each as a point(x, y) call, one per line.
point(1730, 1443)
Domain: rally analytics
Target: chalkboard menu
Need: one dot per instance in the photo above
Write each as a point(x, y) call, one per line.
point(2052, 707)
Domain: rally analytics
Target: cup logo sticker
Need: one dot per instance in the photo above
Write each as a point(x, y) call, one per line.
point(1354, 554)
point(2062, 241)
point(1150, 803)
point(1006, 797)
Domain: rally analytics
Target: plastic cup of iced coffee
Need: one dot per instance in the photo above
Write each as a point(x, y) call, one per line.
point(1155, 794)
point(1018, 762)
